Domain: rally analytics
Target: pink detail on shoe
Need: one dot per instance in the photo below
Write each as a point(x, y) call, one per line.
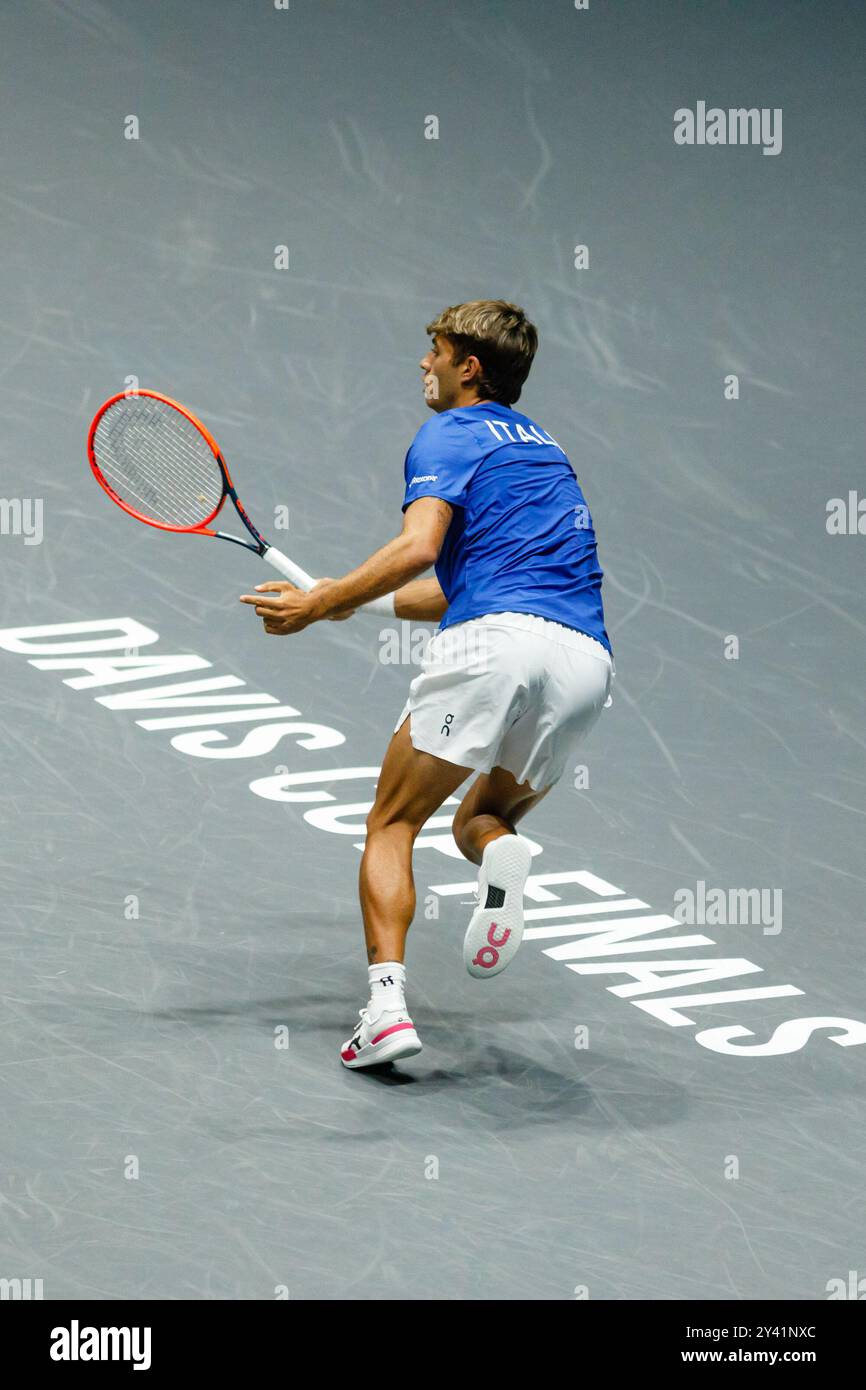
point(395, 1028)
point(486, 964)
point(348, 1055)
point(492, 939)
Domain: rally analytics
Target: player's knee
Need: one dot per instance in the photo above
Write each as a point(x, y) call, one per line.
point(381, 819)
point(375, 820)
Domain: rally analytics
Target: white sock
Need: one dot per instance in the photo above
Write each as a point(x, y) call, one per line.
point(387, 983)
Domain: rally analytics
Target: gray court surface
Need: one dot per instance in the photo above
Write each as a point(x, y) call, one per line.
point(182, 954)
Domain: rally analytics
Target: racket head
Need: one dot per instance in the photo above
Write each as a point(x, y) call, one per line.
point(158, 462)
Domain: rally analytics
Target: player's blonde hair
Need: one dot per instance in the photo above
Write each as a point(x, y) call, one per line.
point(500, 335)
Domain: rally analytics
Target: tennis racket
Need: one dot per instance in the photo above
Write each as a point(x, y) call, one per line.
point(160, 464)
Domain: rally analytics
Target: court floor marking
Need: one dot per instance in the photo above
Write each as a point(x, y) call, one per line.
point(600, 937)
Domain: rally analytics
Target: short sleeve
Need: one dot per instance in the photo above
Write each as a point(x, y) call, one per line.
point(441, 461)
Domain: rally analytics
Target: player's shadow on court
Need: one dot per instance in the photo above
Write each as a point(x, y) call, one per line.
point(463, 1066)
point(587, 1090)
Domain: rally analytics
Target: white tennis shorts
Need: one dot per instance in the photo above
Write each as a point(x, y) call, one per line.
point(508, 690)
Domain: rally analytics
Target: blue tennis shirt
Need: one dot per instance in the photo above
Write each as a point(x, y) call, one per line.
point(521, 539)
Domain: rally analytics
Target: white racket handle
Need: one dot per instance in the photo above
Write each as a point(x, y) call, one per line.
point(305, 581)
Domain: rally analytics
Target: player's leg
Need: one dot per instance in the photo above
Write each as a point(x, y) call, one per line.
point(485, 831)
point(534, 752)
point(412, 785)
point(492, 807)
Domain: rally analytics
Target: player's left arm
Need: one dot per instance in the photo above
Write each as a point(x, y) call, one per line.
point(288, 610)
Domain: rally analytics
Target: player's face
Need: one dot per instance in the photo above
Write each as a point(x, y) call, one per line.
point(441, 377)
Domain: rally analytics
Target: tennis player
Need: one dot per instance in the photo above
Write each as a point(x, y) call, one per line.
point(517, 673)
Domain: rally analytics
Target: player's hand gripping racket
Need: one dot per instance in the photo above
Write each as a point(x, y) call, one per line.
point(160, 464)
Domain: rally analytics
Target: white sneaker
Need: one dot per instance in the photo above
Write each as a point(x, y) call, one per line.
point(387, 1037)
point(496, 928)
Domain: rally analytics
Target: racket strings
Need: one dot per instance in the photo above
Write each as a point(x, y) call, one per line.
point(157, 462)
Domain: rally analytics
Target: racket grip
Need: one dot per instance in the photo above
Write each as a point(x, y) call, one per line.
point(305, 581)
point(288, 569)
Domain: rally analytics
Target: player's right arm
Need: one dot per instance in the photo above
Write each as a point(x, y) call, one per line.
point(421, 600)
point(439, 464)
